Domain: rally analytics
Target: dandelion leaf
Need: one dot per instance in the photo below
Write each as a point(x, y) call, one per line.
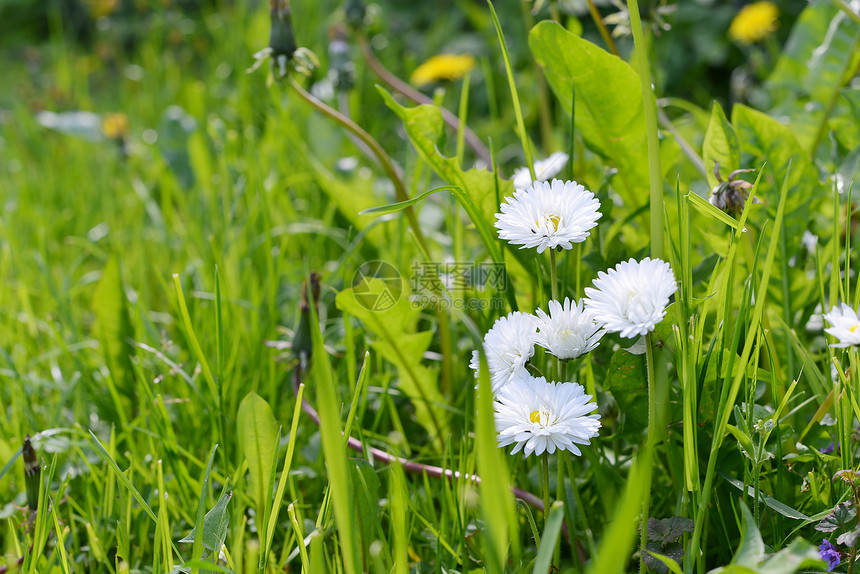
point(609, 112)
point(720, 146)
point(393, 333)
point(114, 331)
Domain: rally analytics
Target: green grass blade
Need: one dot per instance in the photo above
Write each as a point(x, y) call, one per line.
point(550, 538)
point(197, 547)
point(334, 449)
point(521, 127)
point(497, 505)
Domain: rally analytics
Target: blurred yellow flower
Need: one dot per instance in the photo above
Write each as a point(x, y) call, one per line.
point(115, 126)
point(754, 22)
point(442, 67)
point(102, 8)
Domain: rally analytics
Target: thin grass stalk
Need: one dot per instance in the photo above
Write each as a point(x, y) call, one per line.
point(650, 107)
point(521, 127)
point(725, 406)
point(649, 449)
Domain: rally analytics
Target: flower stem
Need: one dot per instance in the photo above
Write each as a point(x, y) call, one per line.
point(545, 488)
point(649, 446)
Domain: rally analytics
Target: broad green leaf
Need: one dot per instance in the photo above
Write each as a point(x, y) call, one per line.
point(424, 126)
point(257, 429)
point(627, 381)
point(667, 530)
point(609, 112)
point(114, 331)
point(395, 336)
point(474, 189)
point(842, 515)
point(365, 486)
point(334, 450)
point(849, 539)
point(764, 139)
point(813, 64)
point(720, 145)
point(800, 554)
point(215, 525)
point(751, 550)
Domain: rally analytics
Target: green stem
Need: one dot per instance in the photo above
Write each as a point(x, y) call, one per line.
point(545, 488)
point(650, 107)
point(384, 159)
point(601, 26)
point(404, 88)
point(650, 442)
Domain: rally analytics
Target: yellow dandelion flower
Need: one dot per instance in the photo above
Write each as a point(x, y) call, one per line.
point(115, 126)
point(754, 22)
point(102, 8)
point(442, 67)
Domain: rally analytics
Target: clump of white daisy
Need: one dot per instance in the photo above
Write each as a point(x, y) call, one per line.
point(632, 298)
point(568, 331)
point(844, 325)
point(509, 344)
point(541, 417)
point(548, 215)
point(544, 169)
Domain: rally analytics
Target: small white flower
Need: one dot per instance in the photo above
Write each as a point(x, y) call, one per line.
point(548, 215)
point(509, 344)
point(539, 416)
point(544, 169)
point(568, 331)
point(632, 298)
point(844, 325)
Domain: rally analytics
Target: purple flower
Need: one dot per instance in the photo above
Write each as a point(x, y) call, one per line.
point(829, 554)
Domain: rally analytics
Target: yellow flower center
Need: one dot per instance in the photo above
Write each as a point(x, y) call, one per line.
point(535, 416)
point(853, 328)
point(553, 220)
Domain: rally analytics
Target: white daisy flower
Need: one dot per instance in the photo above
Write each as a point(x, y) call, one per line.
point(568, 331)
point(632, 298)
point(539, 416)
point(544, 169)
point(844, 325)
point(509, 344)
point(548, 215)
